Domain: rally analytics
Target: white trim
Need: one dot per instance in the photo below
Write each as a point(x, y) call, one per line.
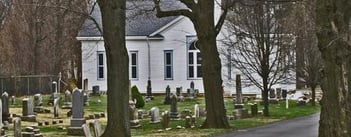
point(167, 25)
point(127, 38)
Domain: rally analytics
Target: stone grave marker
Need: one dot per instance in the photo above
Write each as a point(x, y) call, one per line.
point(85, 85)
point(196, 111)
point(5, 106)
point(97, 128)
point(168, 96)
point(13, 100)
point(28, 110)
point(254, 109)
point(56, 107)
point(185, 112)
point(133, 115)
point(149, 90)
point(54, 93)
point(77, 119)
point(238, 103)
point(174, 115)
point(17, 127)
point(86, 99)
point(155, 115)
point(38, 103)
point(96, 91)
point(179, 94)
point(86, 130)
point(165, 119)
point(67, 102)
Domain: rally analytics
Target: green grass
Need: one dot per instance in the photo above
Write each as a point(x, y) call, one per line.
point(278, 112)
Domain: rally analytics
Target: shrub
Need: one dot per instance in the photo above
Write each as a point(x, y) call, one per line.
point(138, 97)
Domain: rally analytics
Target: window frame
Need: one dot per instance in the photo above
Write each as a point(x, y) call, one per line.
point(100, 66)
point(165, 52)
point(195, 52)
point(136, 65)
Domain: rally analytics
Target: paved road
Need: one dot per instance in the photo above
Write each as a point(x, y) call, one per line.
point(300, 127)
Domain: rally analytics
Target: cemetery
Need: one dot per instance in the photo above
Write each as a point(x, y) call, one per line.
point(82, 113)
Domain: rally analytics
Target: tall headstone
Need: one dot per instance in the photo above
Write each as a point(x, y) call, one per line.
point(155, 115)
point(28, 110)
point(17, 127)
point(191, 91)
point(54, 93)
point(13, 100)
point(67, 102)
point(149, 90)
point(238, 100)
point(196, 111)
point(174, 110)
point(279, 93)
point(179, 94)
point(86, 130)
point(77, 119)
point(133, 115)
point(56, 107)
point(38, 103)
point(5, 106)
point(254, 109)
point(165, 119)
point(86, 99)
point(284, 93)
point(97, 128)
point(168, 96)
point(85, 85)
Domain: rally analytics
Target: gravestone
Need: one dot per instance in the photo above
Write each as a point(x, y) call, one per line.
point(67, 102)
point(254, 109)
point(238, 103)
point(54, 93)
point(149, 90)
point(279, 93)
point(240, 113)
point(56, 107)
point(96, 91)
point(168, 96)
point(174, 115)
point(86, 99)
point(191, 91)
point(155, 115)
point(185, 112)
point(165, 119)
point(17, 127)
point(196, 111)
point(133, 115)
point(97, 128)
point(28, 110)
point(271, 93)
point(13, 100)
point(86, 130)
point(284, 93)
point(179, 94)
point(189, 121)
point(77, 119)
point(5, 106)
point(85, 85)
point(38, 103)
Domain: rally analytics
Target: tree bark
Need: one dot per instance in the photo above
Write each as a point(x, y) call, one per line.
point(113, 22)
point(313, 90)
point(333, 18)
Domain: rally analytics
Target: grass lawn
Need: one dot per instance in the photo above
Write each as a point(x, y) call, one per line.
point(278, 112)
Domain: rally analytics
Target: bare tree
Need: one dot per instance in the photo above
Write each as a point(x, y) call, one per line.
point(201, 13)
point(259, 46)
point(5, 7)
point(334, 42)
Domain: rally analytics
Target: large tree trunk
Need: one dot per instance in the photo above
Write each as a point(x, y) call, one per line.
point(113, 22)
point(333, 18)
point(216, 115)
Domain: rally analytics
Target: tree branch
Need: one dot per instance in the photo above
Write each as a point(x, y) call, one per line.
point(183, 12)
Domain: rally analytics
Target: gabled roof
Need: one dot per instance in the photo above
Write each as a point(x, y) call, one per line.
point(141, 19)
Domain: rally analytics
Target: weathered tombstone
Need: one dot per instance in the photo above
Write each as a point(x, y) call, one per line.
point(149, 90)
point(133, 115)
point(67, 102)
point(56, 107)
point(13, 100)
point(85, 85)
point(38, 103)
point(155, 118)
point(174, 110)
point(28, 110)
point(189, 122)
point(271, 93)
point(196, 111)
point(165, 119)
point(97, 128)
point(254, 109)
point(179, 94)
point(185, 112)
point(17, 127)
point(54, 93)
point(86, 99)
point(284, 93)
point(96, 91)
point(77, 119)
point(238, 103)
point(168, 96)
point(279, 93)
point(5, 106)
point(240, 113)
point(86, 130)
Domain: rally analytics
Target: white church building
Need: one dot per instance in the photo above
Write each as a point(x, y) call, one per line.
point(160, 49)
